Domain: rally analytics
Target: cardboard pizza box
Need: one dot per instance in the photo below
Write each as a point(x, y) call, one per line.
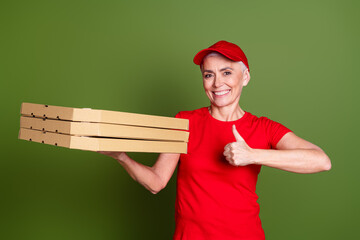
point(102, 144)
point(102, 129)
point(102, 116)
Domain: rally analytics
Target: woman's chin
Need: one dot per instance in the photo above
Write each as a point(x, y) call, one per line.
point(220, 104)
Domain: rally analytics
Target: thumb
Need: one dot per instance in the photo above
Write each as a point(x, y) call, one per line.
point(236, 134)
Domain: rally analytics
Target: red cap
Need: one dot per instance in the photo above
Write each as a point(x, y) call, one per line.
point(228, 49)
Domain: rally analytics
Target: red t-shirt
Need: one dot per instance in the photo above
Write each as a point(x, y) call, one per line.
point(216, 200)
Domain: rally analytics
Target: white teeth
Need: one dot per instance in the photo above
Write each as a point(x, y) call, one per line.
point(221, 93)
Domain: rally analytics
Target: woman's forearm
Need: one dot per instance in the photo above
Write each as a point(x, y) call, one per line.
point(293, 160)
point(143, 174)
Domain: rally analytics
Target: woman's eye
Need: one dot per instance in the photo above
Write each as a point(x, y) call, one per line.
point(207, 76)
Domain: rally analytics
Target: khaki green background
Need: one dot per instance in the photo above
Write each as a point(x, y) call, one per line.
point(136, 56)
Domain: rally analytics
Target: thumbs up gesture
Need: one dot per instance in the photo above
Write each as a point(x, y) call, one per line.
point(238, 153)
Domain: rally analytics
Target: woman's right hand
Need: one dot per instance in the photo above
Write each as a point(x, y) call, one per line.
point(119, 156)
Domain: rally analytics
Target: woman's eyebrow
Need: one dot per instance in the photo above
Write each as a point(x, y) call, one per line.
point(223, 69)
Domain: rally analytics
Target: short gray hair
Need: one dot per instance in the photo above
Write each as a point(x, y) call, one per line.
point(243, 66)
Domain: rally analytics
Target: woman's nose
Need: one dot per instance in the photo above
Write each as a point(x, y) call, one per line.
point(218, 81)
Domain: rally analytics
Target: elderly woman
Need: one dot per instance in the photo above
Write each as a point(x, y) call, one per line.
point(216, 179)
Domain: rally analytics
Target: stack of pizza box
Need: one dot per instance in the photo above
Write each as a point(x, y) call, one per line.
point(102, 130)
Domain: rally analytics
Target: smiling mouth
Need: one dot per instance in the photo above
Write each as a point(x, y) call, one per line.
point(221, 93)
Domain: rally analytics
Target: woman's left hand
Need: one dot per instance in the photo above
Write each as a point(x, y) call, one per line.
point(238, 153)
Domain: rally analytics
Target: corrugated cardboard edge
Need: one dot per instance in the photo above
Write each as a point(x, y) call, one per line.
point(44, 137)
point(100, 144)
point(93, 115)
point(46, 111)
point(103, 129)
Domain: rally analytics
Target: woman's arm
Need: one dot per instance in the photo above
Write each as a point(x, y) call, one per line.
point(153, 178)
point(292, 154)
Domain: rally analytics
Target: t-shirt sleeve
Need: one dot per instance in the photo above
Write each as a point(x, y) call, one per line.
point(274, 131)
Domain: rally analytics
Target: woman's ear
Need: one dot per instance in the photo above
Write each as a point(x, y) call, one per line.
point(246, 77)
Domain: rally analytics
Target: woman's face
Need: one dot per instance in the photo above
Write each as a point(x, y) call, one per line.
point(223, 80)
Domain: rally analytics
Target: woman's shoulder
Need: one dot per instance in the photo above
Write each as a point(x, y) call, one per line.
point(192, 113)
point(256, 118)
point(266, 123)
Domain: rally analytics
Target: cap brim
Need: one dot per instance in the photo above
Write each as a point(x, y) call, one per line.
point(200, 55)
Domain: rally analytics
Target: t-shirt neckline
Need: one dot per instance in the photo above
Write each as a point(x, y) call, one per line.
point(226, 122)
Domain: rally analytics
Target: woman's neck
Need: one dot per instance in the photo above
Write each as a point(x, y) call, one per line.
point(227, 113)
